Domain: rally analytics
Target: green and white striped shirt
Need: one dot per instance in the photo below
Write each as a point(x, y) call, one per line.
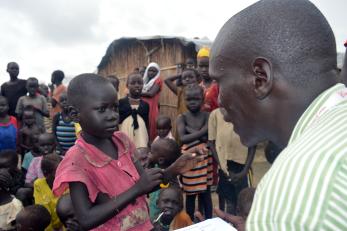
point(306, 188)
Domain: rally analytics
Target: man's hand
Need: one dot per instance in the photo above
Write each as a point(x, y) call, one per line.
point(236, 221)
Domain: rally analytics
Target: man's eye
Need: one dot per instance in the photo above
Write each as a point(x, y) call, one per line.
point(102, 109)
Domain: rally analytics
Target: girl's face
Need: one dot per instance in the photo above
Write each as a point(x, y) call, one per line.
point(203, 66)
point(135, 84)
point(188, 77)
point(152, 72)
point(98, 113)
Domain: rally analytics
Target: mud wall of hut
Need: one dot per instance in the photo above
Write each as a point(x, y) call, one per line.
point(167, 53)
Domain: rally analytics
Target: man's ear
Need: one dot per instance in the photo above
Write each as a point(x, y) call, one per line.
point(263, 77)
point(74, 114)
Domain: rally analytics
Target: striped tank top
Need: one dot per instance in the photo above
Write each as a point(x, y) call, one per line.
point(65, 133)
point(200, 177)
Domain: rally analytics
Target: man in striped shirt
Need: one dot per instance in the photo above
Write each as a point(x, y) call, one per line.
point(275, 63)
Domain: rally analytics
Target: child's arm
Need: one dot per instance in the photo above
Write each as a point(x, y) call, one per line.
point(188, 138)
point(91, 215)
point(250, 156)
point(55, 122)
point(170, 83)
point(22, 139)
point(152, 92)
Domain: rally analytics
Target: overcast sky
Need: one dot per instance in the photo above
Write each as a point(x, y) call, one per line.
point(72, 35)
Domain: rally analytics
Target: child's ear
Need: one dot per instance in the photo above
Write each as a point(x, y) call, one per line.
point(74, 114)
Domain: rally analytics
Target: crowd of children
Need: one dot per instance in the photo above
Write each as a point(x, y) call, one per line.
point(80, 157)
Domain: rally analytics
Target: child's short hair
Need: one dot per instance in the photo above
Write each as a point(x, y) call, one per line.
point(193, 88)
point(133, 74)
point(64, 205)
point(58, 75)
point(177, 190)
point(34, 217)
point(244, 201)
point(194, 71)
point(28, 108)
point(82, 86)
point(33, 79)
point(169, 148)
point(49, 163)
point(163, 119)
point(9, 158)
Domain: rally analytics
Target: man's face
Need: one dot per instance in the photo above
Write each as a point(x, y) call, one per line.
point(237, 101)
point(13, 69)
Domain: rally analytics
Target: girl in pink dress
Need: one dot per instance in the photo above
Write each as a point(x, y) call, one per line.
point(107, 184)
point(150, 94)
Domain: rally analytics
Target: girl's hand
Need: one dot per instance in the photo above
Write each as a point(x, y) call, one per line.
point(188, 159)
point(149, 179)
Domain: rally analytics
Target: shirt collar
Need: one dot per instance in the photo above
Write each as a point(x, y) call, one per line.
point(96, 157)
point(311, 112)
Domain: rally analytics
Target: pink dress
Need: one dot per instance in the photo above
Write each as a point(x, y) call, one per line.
point(153, 110)
point(34, 170)
point(100, 173)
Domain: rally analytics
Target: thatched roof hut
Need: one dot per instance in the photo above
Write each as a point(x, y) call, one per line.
point(125, 54)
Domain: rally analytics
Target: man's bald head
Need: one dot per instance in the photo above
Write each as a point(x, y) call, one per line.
point(292, 34)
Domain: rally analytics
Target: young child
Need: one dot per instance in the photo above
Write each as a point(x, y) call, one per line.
point(33, 217)
point(43, 194)
point(57, 82)
point(64, 127)
point(133, 112)
point(244, 202)
point(190, 63)
point(192, 130)
point(44, 91)
point(188, 76)
point(29, 131)
point(34, 99)
point(8, 127)
point(45, 145)
point(150, 94)
point(231, 155)
point(9, 205)
point(115, 81)
point(210, 87)
point(164, 128)
point(163, 153)
point(66, 213)
point(107, 188)
point(170, 204)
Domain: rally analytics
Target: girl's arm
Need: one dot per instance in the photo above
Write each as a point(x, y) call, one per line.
point(91, 215)
point(170, 83)
point(152, 92)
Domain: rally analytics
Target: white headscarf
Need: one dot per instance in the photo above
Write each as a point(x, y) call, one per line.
point(147, 84)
